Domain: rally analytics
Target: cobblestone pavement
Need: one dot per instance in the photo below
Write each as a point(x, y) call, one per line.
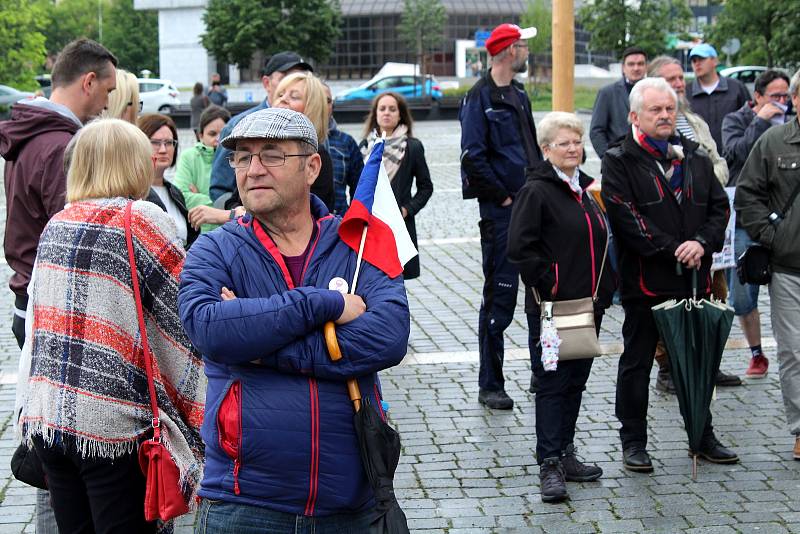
point(466, 469)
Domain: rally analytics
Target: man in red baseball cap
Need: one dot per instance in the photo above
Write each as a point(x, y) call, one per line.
point(498, 141)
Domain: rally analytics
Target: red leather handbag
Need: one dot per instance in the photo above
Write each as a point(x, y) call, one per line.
point(163, 498)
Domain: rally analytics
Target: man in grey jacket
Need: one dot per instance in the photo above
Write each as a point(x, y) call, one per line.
point(713, 96)
point(765, 185)
point(610, 113)
point(740, 131)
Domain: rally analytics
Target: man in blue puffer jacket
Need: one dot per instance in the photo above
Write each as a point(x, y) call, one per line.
point(281, 450)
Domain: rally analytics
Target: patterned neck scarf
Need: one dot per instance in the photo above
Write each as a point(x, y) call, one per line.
point(574, 181)
point(670, 152)
point(394, 150)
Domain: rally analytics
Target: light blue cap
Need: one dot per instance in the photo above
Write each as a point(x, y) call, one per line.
point(703, 50)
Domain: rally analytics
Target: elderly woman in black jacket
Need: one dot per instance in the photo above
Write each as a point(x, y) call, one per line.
point(403, 159)
point(558, 238)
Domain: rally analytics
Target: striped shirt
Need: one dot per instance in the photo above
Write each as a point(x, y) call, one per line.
point(683, 126)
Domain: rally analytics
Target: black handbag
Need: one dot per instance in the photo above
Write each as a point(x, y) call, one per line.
point(754, 266)
point(27, 467)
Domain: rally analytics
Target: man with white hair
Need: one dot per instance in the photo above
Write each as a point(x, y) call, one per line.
point(668, 213)
point(766, 206)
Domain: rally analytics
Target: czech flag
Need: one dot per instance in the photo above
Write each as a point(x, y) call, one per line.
point(387, 245)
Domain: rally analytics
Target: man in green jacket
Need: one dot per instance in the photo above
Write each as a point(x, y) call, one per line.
point(765, 185)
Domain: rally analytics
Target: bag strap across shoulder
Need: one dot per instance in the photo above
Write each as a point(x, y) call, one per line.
point(146, 354)
point(788, 205)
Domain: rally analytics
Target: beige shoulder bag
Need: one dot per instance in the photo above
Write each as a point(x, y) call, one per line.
point(574, 321)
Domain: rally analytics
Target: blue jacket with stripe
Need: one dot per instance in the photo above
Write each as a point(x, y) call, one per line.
point(278, 425)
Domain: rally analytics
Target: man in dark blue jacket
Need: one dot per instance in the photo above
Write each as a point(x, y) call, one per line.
point(281, 450)
point(498, 141)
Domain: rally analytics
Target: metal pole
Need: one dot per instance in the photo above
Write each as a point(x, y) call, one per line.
point(563, 55)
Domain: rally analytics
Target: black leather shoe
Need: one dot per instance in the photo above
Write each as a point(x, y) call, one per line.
point(714, 452)
point(664, 382)
point(577, 471)
point(496, 400)
point(637, 459)
point(725, 380)
point(552, 483)
point(534, 384)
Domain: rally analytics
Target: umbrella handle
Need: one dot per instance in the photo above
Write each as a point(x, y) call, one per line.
point(336, 354)
point(332, 341)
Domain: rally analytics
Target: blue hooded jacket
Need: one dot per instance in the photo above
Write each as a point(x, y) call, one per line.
point(278, 424)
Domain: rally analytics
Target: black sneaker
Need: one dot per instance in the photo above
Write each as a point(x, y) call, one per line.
point(496, 400)
point(664, 382)
point(726, 380)
point(552, 483)
point(577, 471)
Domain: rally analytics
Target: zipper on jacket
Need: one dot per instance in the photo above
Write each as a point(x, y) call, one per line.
point(314, 468)
point(591, 240)
point(235, 453)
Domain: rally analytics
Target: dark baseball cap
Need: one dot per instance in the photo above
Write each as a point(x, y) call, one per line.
point(283, 61)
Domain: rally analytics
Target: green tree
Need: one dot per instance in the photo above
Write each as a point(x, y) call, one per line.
point(236, 29)
point(72, 19)
point(132, 36)
point(614, 26)
point(767, 30)
point(22, 43)
point(421, 28)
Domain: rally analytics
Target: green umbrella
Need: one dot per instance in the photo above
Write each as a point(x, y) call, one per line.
point(694, 332)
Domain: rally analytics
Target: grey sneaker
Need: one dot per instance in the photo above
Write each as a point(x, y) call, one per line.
point(552, 483)
point(577, 471)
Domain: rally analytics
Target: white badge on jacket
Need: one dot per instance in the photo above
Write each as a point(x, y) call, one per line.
point(338, 284)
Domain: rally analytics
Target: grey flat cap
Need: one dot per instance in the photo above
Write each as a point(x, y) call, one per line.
point(273, 123)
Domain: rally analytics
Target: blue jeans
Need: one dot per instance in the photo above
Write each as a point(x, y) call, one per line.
point(743, 297)
point(220, 517)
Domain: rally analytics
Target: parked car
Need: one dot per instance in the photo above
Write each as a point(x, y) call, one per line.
point(158, 96)
point(409, 86)
point(9, 95)
point(745, 74)
point(45, 84)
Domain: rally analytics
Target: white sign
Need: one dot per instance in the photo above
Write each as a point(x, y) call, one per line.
point(726, 258)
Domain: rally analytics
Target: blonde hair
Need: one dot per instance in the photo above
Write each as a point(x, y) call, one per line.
point(110, 158)
point(548, 127)
point(126, 92)
point(316, 101)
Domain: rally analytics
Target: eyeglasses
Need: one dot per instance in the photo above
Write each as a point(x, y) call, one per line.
point(778, 96)
point(157, 144)
point(520, 45)
point(141, 105)
point(566, 145)
point(240, 159)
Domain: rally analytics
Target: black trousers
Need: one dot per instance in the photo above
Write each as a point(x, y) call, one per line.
point(558, 399)
point(640, 337)
point(94, 495)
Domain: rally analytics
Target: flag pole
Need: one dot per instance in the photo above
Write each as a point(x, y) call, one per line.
point(363, 240)
point(329, 329)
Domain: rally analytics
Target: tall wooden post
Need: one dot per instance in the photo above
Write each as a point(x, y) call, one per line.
point(563, 55)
